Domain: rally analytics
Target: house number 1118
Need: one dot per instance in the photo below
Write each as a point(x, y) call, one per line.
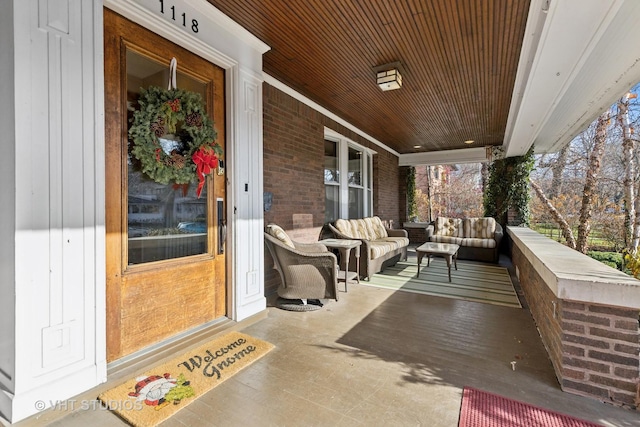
point(172, 11)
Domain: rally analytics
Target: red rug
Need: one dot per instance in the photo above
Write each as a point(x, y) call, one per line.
point(484, 409)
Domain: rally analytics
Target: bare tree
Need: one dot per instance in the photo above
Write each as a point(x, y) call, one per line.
point(564, 226)
point(595, 159)
point(594, 184)
point(629, 172)
point(484, 173)
point(577, 174)
point(557, 169)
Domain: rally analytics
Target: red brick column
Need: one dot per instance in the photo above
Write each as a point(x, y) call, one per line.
point(417, 235)
point(601, 346)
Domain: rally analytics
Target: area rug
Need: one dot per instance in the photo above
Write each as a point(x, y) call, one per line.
point(154, 396)
point(483, 409)
point(472, 281)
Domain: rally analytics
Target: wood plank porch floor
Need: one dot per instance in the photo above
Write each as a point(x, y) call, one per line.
point(378, 357)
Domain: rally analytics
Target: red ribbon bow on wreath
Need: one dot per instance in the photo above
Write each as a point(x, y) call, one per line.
point(206, 161)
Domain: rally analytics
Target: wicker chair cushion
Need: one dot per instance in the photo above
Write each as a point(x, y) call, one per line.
point(277, 232)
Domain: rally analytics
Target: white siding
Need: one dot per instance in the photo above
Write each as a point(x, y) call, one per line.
point(53, 214)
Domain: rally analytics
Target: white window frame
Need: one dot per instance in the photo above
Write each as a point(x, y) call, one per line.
point(343, 145)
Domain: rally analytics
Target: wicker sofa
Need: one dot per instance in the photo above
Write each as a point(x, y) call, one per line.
point(479, 238)
point(381, 246)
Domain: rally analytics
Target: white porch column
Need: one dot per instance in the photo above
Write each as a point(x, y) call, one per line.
point(248, 198)
point(52, 314)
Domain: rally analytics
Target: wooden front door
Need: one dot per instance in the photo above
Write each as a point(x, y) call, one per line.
point(165, 246)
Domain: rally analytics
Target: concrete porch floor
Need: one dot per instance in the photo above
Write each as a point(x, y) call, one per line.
point(376, 358)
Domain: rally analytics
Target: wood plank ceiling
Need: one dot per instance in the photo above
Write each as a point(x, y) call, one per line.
point(459, 59)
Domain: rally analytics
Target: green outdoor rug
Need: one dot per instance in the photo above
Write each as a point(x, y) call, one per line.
point(473, 281)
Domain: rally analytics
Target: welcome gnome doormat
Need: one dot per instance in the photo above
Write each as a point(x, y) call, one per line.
point(154, 396)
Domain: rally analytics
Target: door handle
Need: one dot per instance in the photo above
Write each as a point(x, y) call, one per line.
point(222, 236)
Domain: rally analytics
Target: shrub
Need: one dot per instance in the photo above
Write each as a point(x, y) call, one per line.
point(612, 259)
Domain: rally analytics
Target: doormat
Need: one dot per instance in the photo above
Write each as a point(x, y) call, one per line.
point(484, 409)
point(154, 396)
point(472, 281)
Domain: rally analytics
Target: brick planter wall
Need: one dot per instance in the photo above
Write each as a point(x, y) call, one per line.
point(417, 234)
point(594, 348)
point(294, 171)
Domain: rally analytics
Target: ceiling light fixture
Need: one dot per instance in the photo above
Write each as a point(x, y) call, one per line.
point(388, 76)
point(417, 146)
point(469, 141)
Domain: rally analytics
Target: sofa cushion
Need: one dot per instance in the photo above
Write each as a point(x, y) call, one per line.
point(364, 228)
point(480, 228)
point(478, 243)
point(377, 228)
point(351, 228)
point(449, 227)
point(277, 232)
point(399, 242)
point(381, 247)
point(446, 239)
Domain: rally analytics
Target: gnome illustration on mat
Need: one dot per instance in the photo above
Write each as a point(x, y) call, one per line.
point(152, 389)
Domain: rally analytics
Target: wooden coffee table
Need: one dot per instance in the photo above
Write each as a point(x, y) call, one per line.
point(449, 251)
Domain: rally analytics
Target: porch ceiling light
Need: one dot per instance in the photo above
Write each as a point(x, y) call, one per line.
point(388, 76)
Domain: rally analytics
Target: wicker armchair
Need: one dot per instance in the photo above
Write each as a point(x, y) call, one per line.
point(308, 271)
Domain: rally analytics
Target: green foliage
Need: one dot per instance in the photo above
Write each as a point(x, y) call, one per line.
point(508, 188)
point(612, 259)
point(178, 115)
point(599, 239)
point(412, 204)
point(632, 263)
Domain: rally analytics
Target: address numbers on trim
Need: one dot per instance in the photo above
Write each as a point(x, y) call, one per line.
point(180, 18)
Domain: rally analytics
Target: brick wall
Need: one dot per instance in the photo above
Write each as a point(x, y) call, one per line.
point(594, 348)
point(387, 187)
point(293, 136)
point(417, 235)
point(402, 202)
point(293, 164)
point(601, 351)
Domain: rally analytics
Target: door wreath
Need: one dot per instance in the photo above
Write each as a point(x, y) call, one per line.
point(173, 138)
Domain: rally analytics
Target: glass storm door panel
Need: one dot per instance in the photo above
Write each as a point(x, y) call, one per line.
point(164, 221)
point(165, 253)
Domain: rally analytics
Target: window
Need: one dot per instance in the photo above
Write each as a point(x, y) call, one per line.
point(331, 181)
point(347, 178)
point(164, 221)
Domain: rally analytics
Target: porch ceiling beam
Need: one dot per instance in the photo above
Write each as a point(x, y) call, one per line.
point(586, 58)
point(465, 155)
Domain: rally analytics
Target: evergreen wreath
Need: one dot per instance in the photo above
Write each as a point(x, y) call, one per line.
point(173, 138)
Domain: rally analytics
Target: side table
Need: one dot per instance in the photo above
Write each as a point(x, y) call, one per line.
point(345, 246)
